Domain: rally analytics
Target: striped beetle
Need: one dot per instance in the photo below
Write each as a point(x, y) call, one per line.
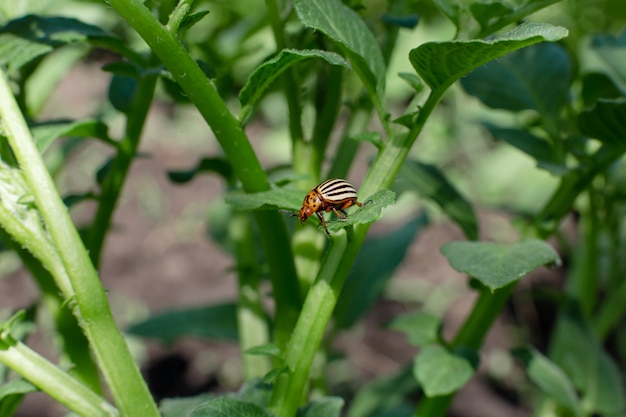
point(333, 194)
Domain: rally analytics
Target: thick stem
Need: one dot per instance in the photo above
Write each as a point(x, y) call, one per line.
point(117, 365)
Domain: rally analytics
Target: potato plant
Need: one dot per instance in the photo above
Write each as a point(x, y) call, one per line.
point(330, 67)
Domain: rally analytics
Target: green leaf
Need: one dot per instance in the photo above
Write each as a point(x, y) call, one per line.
point(255, 392)
point(596, 86)
point(347, 29)
point(535, 78)
point(493, 16)
point(271, 376)
point(122, 90)
point(219, 166)
point(269, 349)
point(549, 378)
point(27, 38)
point(442, 63)
point(384, 395)
point(412, 80)
point(612, 49)
point(606, 121)
point(191, 19)
point(496, 265)
point(421, 328)
point(372, 137)
point(178, 407)
point(440, 372)
point(229, 407)
point(430, 183)
point(537, 148)
point(11, 395)
point(46, 133)
point(373, 267)
point(578, 352)
point(450, 8)
point(369, 213)
point(276, 198)
point(324, 407)
point(212, 322)
point(266, 73)
point(488, 14)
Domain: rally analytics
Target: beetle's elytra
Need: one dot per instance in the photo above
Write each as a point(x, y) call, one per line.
point(332, 195)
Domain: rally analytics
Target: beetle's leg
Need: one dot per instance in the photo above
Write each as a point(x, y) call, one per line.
point(321, 217)
point(338, 213)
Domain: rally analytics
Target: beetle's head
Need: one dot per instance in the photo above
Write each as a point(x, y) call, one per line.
point(304, 214)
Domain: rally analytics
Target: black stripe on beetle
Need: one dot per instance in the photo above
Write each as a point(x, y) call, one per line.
point(334, 195)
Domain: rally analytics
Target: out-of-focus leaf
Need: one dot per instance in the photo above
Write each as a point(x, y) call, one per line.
point(442, 63)
point(537, 148)
point(229, 407)
point(177, 407)
point(11, 395)
point(372, 137)
point(596, 86)
point(493, 16)
point(413, 80)
point(219, 166)
point(605, 121)
point(549, 378)
point(29, 37)
point(103, 170)
point(347, 29)
point(212, 322)
point(421, 328)
point(450, 9)
point(266, 73)
point(122, 90)
point(374, 266)
point(324, 407)
point(46, 133)
point(496, 265)
point(384, 395)
point(408, 21)
point(430, 182)
point(535, 78)
point(486, 14)
point(192, 19)
point(255, 392)
point(270, 350)
point(578, 352)
point(73, 199)
point(440, 372)
point(612, 49)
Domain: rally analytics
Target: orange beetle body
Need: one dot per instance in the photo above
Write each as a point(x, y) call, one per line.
point(332, 195)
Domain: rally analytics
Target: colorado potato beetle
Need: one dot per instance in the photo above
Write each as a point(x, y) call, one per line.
point(332, 195)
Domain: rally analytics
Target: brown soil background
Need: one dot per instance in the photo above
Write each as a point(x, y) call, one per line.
point(158, 257)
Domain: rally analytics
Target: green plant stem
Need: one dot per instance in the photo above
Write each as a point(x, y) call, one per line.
point(300, 148)
point(336, 265)
point(583, 282)
point(572, 184)
point(327, 108)
point(238, 150)
point(54, 382)
point(252, 321)
point(116, 177)
point(357, 122)
point(91, 307)
point(471, 335)
point(309, 331)
point(610, 312)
